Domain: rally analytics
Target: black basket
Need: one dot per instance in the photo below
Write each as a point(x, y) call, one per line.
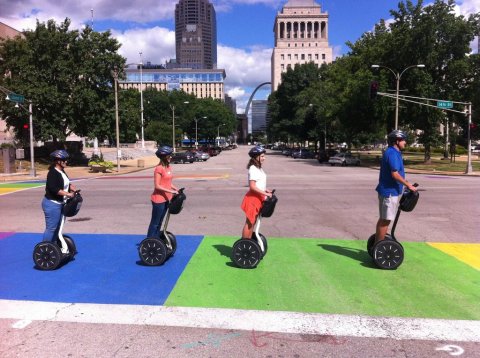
point(268, 206)
point(409, 200)
point(176, 204)
point(73, 205)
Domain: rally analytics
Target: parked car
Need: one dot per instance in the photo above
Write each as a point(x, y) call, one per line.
point(183, 157)
point(343, 159)
point(201, 156)
point(303, 153)
point(325, 155)
point(476, 149)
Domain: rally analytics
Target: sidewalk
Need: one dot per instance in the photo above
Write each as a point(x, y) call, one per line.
point(126, 166)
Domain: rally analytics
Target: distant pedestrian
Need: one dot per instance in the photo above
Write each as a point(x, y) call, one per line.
point(162, 192)
point(391, 182)
point(257, 193)
point(57, 190)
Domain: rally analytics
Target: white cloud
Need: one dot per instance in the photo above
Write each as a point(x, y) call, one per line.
point(22, 15)
point(157, 44)
point(245, 69)
point(467, 7)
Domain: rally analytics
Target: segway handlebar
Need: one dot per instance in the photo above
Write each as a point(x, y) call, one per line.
point(408, 190)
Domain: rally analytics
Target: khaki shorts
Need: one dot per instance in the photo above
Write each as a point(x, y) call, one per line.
point(388, 207)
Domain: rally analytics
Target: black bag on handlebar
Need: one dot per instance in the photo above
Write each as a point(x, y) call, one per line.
point(268, 206)
point(176, 204)
point(409, 200)
point(73, 205)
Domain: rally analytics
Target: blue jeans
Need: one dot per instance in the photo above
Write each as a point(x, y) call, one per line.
point(53, 217)
point(158, 213)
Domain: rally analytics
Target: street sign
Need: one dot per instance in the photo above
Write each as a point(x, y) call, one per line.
point(444, 104)
point(16, 97)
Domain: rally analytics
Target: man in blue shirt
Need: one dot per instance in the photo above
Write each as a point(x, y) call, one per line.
point(391, 182)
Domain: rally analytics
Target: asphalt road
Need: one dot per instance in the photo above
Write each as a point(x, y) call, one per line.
point(315, 201)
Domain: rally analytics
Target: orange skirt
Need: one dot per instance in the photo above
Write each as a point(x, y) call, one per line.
point(251, 205)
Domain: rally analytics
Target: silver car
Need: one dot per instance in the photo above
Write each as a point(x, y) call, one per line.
point(201, 156)
point(343, 159)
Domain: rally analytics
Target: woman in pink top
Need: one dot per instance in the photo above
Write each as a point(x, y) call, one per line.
point(162, 192)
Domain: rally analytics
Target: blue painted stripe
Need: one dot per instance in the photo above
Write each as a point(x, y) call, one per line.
point(105, 270)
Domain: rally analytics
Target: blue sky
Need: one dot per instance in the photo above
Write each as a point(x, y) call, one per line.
point(244, 29)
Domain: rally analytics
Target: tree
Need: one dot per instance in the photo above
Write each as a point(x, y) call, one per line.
point(67, 76)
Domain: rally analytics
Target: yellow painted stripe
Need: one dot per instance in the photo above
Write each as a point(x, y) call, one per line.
point(467, 253)
point(7, 190)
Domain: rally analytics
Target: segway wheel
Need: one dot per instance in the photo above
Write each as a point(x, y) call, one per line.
point(388, 254)
point(47, 256)
point(263, 239)
point(72, 249)
point(173, 241)
point(246, 253)
point(152, 252)
point(371, 242)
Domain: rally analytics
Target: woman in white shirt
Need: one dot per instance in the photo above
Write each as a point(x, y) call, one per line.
point(257, 193)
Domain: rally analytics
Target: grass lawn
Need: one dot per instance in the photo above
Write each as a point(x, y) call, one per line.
point(416, 161)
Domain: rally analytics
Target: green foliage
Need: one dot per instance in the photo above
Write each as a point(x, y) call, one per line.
point(67, 76)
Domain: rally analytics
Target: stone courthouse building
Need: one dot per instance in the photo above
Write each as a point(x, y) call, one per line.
point(301, 36)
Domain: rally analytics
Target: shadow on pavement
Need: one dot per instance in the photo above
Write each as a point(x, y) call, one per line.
point(359, 255)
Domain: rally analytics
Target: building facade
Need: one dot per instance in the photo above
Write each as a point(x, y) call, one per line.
point(301, 36)
point(201, 83)
point(259, 116)
point(196, 34)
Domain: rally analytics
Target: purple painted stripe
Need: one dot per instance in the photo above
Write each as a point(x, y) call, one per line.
point(4, 235)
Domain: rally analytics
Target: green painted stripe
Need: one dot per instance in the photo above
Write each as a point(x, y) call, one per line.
point(330, 276)
point(21, 185)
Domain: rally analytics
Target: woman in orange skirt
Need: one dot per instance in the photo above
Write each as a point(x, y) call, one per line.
point(257, 182)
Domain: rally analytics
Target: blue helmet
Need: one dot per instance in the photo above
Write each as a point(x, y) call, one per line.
point(256, 151)
point(59, 155)
point(164, 150)
point(396, 135)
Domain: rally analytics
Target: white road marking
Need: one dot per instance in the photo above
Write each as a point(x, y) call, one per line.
point(451, 349)
point(268, 321)
point(21, 324)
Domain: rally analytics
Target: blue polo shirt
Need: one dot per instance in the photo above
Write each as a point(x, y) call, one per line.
point(392, 161)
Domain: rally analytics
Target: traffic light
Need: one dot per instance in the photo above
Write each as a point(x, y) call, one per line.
point(373, 89)
point(25, 132)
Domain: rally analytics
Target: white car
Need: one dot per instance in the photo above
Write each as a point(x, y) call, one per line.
point(476, 149)
point(343, 159)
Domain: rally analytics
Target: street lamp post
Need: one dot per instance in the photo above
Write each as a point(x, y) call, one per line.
point(397, 75)
point(218, 134)
point(117, 126)
point(196, 130)
point(141, 99)
point(173, 127)
point(33, 172)
point(469, 140)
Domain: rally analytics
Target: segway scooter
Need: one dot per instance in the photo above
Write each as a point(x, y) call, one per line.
point(48, 255)
point(388, 254)
point(247, 253)
point(154, 252)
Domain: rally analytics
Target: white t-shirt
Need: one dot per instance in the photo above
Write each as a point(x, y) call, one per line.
point(66, 183)
point(259, 176)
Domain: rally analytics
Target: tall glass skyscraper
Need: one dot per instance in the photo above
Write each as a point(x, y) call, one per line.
point(196, 34)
